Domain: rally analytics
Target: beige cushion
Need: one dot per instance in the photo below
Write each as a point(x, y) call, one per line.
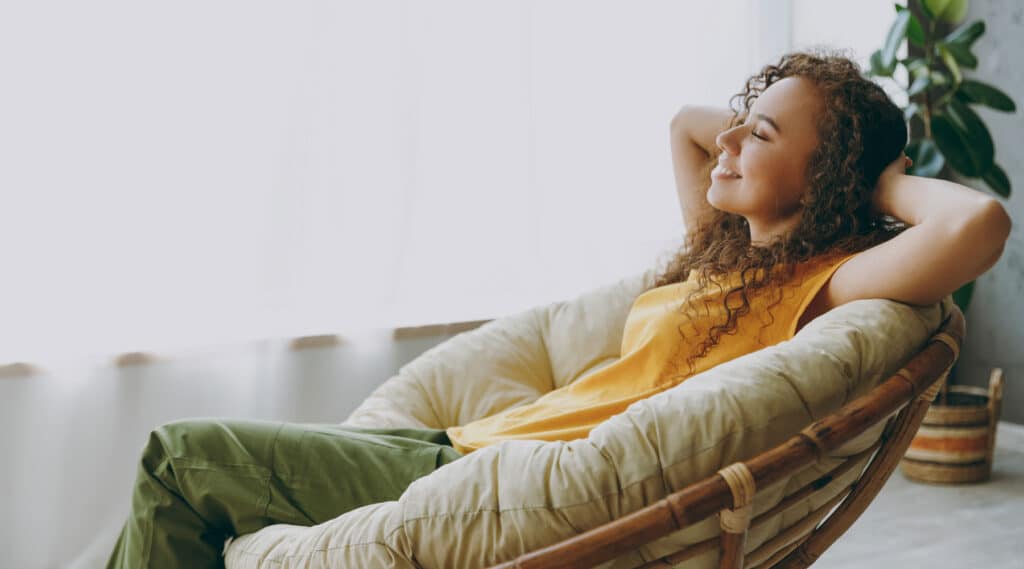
point(518, 496)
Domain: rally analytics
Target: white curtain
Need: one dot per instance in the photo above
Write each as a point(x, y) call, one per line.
point(193, 174)
point(196, 172)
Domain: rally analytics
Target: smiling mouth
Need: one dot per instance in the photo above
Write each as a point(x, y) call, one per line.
point(724, 173)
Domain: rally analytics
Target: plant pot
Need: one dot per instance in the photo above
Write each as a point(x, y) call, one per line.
point(956, 439)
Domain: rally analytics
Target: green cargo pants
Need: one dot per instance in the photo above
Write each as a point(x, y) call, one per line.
point(203, 480)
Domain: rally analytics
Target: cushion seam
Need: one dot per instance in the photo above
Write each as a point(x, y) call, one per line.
point(601, 497)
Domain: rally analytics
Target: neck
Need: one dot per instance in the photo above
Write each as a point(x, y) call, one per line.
point(762, 232)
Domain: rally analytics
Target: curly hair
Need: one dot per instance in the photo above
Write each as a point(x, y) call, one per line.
point(860, 131)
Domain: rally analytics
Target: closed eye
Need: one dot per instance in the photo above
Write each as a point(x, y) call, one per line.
point(755, 135)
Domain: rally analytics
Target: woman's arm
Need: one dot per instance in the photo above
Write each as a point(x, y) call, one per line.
point(956, 234)
point(692, 138)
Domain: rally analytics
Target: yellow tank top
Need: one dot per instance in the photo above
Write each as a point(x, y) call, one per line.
point(657, 338)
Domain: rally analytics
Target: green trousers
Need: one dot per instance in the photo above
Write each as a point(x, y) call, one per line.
point(203, 480)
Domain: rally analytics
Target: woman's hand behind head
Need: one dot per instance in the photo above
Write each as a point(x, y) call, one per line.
point(895, 168)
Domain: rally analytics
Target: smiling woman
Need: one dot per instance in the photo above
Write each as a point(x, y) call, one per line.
point(808, 146)
point(771, 167)
point(807, 151)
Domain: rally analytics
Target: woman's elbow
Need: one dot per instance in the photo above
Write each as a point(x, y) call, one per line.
point(985, 234)
point(996, 221)
point(989, 226)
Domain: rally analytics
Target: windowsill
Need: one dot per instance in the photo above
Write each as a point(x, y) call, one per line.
point(450, 328)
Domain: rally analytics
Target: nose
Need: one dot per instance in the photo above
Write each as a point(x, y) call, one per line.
point(726, 139)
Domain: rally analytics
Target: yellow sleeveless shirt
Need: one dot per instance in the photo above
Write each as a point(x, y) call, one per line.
point(656, 340)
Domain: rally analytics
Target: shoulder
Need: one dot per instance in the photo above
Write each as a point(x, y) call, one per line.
point(819, 274)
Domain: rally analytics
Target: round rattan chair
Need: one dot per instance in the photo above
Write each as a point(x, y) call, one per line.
point(730, 493)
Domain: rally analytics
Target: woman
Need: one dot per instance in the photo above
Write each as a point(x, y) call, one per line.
point(807, 209)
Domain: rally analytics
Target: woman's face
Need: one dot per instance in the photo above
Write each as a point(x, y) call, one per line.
point(770, 151)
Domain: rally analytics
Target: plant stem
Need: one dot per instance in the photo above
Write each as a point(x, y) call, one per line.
point(929, 54)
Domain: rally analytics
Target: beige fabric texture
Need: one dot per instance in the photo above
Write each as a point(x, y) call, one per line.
point(518, 496)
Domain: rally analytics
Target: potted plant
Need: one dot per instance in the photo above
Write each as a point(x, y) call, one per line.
point(956, 439)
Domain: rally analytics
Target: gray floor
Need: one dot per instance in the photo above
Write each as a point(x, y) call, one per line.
point(911, 525)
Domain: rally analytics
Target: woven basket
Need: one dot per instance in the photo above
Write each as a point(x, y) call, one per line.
point(955, 442)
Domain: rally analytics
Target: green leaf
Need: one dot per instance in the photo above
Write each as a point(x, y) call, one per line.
point(892, 41)
point(927, 11)
point(877, 68)
point(915, 33)
point(910, 111)
point(951, 11)
point(919, 84)
point(985, 94)
point(928, 161)
point(953, 146)
point(962, 296)
point(950, 62)
point(939, 77)
point(997, 180)
point(962, 54)
point(966, 34)
point(980, 147)
point(917, 66)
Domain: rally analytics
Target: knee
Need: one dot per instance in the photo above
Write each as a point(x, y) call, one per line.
point(181, 438)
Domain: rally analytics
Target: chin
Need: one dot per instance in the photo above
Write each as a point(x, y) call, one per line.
point(719, 205)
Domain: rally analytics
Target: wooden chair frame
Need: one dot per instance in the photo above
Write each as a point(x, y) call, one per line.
point(730, 492)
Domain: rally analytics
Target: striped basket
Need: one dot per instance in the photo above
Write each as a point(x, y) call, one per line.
point(956, 439)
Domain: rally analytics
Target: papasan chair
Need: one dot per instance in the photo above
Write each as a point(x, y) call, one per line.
point(738, 466)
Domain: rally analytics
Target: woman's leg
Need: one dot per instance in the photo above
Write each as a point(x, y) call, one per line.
point(200, 481)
